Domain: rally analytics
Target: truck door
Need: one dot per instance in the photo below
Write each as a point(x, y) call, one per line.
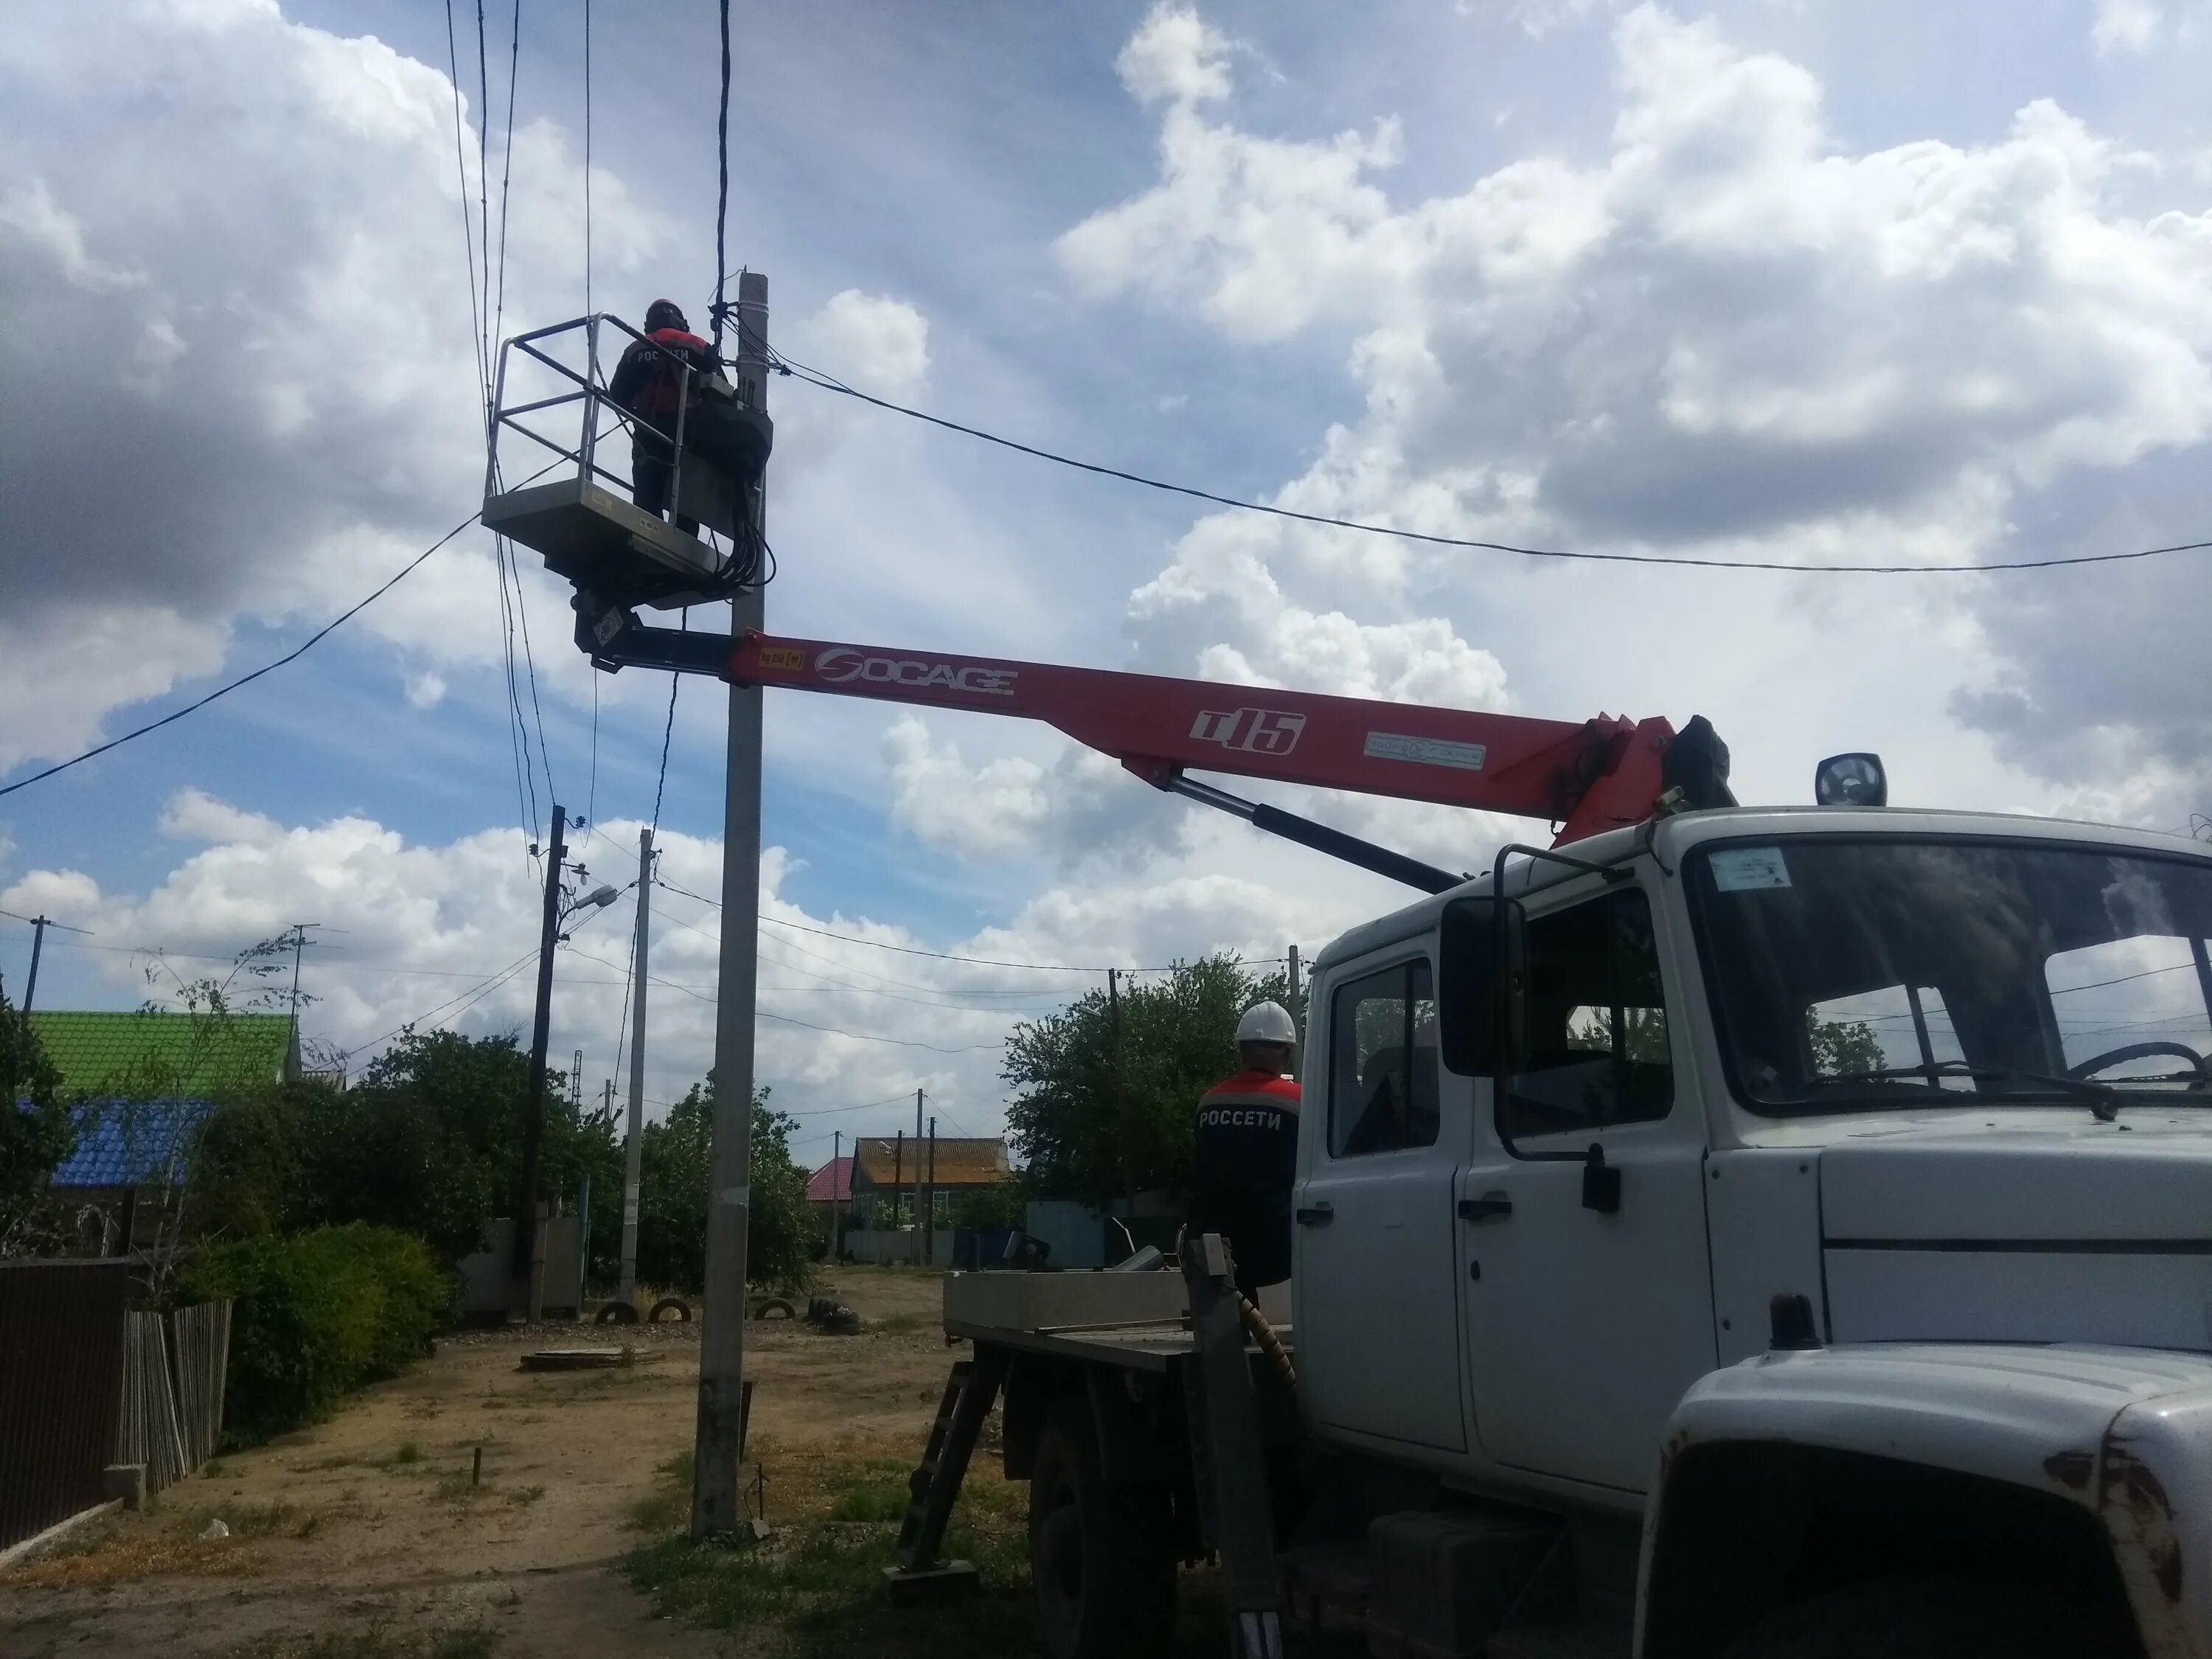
point(1585, 1326)
point(1375, 1305)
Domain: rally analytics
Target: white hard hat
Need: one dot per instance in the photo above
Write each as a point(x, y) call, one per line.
point(1267, 1022)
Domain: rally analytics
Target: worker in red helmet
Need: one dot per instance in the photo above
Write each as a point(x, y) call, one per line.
point(650, 383)
point(1245, 1153)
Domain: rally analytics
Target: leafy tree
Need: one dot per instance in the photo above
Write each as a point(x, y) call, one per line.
point(1178, 1040)
point(36, 1130)
point(998, 1205)
point(430, 1141)
point(672, 1181)
point(1841, 1046)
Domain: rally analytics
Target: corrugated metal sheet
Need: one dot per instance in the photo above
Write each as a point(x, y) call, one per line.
point(966, 1162)
point(61, 1368)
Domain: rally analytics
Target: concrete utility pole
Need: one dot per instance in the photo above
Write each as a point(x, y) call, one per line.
point(1297, 1020)
point(634, 1147)
point(526, 1294)
point(717, 1503)
point(1121, 1094)
point(837, 1205)
point(920, 1221)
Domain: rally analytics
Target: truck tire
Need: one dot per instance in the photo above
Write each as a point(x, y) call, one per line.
point(1102, 1557)
point(1929, 1618)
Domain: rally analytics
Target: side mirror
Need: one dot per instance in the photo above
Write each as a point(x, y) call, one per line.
point(1475, 938)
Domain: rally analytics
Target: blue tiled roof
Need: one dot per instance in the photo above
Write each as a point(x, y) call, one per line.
point(127, 1143)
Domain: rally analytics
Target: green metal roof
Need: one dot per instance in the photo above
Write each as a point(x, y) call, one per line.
point(165, 1055)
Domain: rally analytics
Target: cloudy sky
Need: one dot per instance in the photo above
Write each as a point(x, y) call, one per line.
point(1762, 280)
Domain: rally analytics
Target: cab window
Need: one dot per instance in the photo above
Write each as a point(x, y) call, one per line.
point(1382, 1062)
point(1597, 1047)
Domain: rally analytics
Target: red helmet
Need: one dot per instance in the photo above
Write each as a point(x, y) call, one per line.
point(665, 313)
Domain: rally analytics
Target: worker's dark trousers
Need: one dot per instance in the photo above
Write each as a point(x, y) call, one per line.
point(651, 470)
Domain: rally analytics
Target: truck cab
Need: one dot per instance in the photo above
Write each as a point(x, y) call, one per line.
point(1840, 1176)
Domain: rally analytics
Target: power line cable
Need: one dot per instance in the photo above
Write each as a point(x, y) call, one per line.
point(829, 383)
point(468, 235)
point(293, 655)
point(530, 665)
point(717, 311)
point(587, 157)
point(506, 166)
point(667, 733)
point(787, 1019)
point(483, 187)
point(907, 949)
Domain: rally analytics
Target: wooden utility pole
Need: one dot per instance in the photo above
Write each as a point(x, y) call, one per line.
point(929, 1212)
point(634, 1144)
point(40, 923)
point(527, 1291)
point(1120, 1094)
point(898, 1176)
point(717, 1503)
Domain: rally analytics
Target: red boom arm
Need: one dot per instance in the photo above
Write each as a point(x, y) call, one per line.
point(1589, 777)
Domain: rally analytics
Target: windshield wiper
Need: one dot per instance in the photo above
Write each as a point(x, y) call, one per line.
point(2105, 1100)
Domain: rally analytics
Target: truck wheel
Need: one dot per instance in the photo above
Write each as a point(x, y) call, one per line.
point(1101, 1559)
point(1928, 1619)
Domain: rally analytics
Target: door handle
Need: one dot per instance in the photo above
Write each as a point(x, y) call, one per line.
point(1315, 1215)
point(1491, 1206)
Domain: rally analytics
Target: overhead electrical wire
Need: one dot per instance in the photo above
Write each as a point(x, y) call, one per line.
point(484, 188)
point(787, 1019)
point(293, 655)
point(468, 233)
point(507, 167)
point(825, 382)
point(667, 733)
point(719, 310)
point(587, 157)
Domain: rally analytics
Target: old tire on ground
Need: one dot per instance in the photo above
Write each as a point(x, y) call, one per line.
point(616, 1313)
point(671, 1305)
point(1931, 1618)
point(1101, 1559)
point(773, 1307)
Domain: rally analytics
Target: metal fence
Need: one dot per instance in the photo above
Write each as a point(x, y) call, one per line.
point(61, 1365)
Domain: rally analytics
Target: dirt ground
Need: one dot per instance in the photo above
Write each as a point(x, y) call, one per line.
point(363, 1538)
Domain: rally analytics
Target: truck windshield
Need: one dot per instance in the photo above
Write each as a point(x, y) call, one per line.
point(1852, 973)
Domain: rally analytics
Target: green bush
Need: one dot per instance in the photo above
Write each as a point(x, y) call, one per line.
point(317, 1315)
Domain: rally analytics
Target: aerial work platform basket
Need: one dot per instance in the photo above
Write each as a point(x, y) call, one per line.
point(582, 519)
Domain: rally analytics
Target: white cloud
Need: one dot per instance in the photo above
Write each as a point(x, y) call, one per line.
point(1730, 335)
point(65, 666)
point(426, 689)
point(2125, 25)
point(29, 212)
point(1175, 54)
point(881, 344)
point(415, 930)
point(297, 383)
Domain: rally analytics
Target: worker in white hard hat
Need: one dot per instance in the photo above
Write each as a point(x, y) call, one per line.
point(1245, 1155)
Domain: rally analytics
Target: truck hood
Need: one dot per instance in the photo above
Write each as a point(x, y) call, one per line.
point(2065, 1232)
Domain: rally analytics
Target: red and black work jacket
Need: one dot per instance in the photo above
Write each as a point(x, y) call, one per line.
point(649, 382)
point(1244, 1161)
